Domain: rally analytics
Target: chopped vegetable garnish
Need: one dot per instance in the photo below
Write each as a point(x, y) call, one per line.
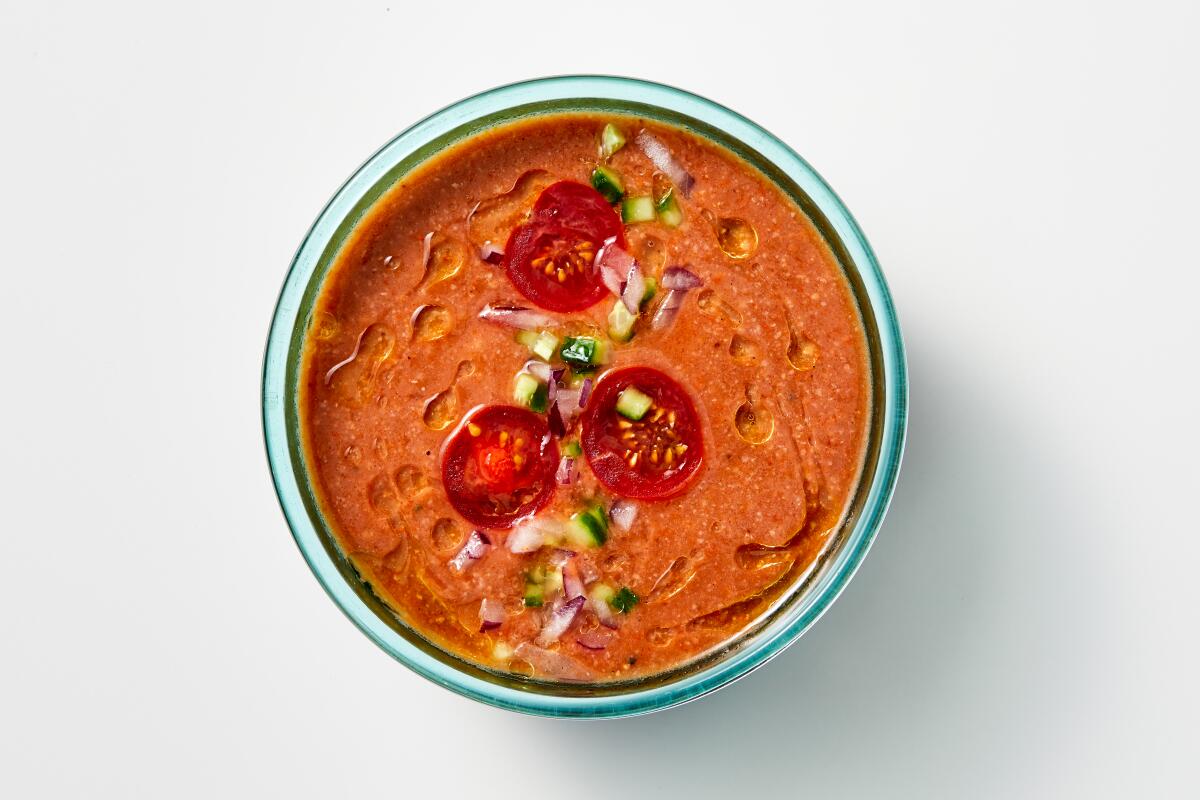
point(611, 140)
point(588, 528)
point(608, 183)
point(669, 212)
point(624, 600)
point(637, 209)
point(620, 322)
point(531, 393)
point(583, 351)
point(572, 449)
point(541, 344)
point(633, 403)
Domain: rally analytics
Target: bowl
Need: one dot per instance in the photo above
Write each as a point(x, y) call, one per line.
point(794, 612)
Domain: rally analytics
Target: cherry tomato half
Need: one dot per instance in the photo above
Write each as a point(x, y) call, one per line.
point(499, 465)
point(652, 458)
point(549, 259)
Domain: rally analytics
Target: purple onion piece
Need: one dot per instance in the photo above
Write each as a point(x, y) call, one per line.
point(561, 556)
point(604, 612)
point(594, 640)
point(560, 620)
point(526, 538)
point(622, 513)
point(572, 583)
point(491, 254)
point(538, 369)
point(585, 392)
point(566, 471)
point(668, 309)
point(662, 158)
point(681, 278)
point(491, 614)
point(557, 373)
point(477, 546)
point(515, 317)
point(555, 420)
point(635, 289)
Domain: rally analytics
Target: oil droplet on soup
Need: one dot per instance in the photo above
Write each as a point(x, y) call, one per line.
point(411, 483)
point(325, 326)
point(430, 323)
point(736, 237)
point(756, 556)
point(672, 581)
point(715, 306)
point(447, 536)
point(652, 255)
point(440, 410)
point(743, 350)
point(446, 259)
point(382, 496)
point(802, 354)
point(754, 422)
point(354, 378)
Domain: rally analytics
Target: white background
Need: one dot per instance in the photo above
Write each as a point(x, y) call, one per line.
point(1026, 625)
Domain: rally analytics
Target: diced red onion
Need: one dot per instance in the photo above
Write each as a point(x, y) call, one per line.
point(526, 538)
point(552, 664)
point(557, 373)
point(555, 421)
point(595, 640)
point(614, 264)
point(567, 474)
point(561, 556)
point(572, 583)
point(538, 369)
point(560, 619)
point(490, 253)
point(603, 611)
point(425, 249)
point(585, 392)
point(622, 513)
point(635, 288)
point(680, 278)
point(588, 571)
point(668, 309)
point(662, 158)
point(515, 317)
point(491, 614)
point(567, 402)
point(476, 548)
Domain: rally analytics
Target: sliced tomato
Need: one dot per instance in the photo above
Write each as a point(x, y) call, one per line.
point(549, 259)
point(499, 465)
point(652, 458)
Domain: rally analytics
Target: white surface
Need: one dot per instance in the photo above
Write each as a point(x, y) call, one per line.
point(1026, 624)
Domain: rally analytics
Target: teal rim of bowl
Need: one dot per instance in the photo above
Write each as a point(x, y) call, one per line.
point(595, 94)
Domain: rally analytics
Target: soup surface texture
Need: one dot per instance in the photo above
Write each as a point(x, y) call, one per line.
point(581, 396)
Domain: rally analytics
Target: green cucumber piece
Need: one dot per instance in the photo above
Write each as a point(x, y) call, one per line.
point(543, 344)
point(637, 209)
point(588, 528)
point(611, 140)
point(583, 351)
point(620, 322)
point(624, 600)
point(669, 212)
point(534, 596)
point(651, 290)
point(633, 403)
point(531, 393)
point(608, 183)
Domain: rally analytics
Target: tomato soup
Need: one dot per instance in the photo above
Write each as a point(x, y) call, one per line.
point(582, 396)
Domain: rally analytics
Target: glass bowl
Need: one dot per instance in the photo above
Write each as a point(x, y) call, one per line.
point(794, 612)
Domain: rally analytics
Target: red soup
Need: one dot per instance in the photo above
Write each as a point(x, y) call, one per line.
point(582, 396)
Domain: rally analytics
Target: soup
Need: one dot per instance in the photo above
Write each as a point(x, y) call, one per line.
point(582, 396)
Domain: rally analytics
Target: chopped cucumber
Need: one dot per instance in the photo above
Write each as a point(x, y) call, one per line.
point(633, 403)
point(602, 593)
point(588, 528)
point(637, 209)
point(535, 595)
point(611, 140)
point(572, 449)
point(669, 212)
point(608, 183)
point(577, 375)
point(651, 290)
point(583, 351)
point(624, 600)
point(620, 322)
point(531, 393)
point(541, 344)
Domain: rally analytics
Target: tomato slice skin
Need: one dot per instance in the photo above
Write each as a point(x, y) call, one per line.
point(549, 259)
point(498, 465)
point(609, 440)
